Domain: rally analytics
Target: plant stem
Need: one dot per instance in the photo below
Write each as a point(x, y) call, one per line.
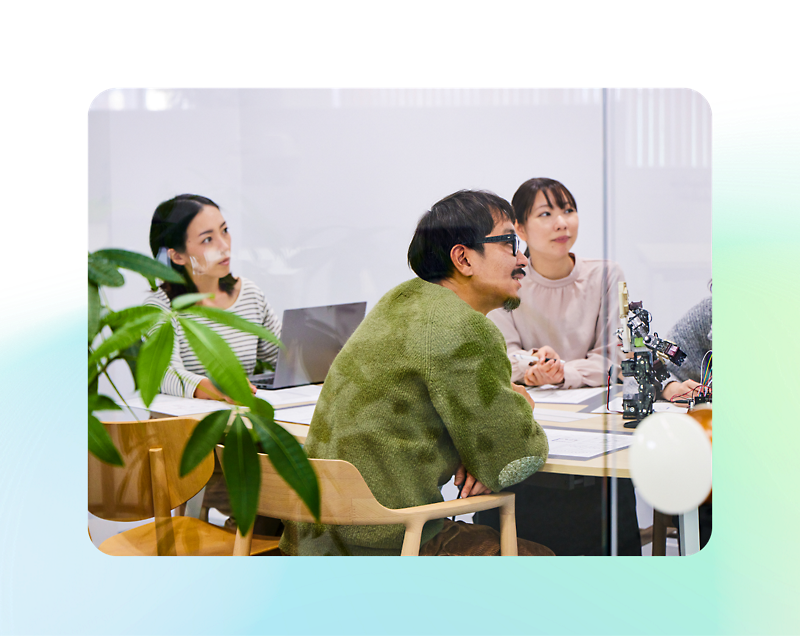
point(114, 386)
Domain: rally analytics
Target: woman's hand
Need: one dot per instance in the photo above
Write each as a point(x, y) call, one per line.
point(679, 389)
point(545, 372)
point(472, 486)
point(207, 391)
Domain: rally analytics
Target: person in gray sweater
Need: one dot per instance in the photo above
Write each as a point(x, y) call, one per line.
point(692, 333)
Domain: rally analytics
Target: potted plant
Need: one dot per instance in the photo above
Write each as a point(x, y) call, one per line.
point(117, 335)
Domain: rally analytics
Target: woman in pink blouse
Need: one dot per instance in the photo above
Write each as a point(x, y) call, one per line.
point(562, 314)
point(567, 303)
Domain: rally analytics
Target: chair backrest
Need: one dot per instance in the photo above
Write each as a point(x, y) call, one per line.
point(151, 450)
point(345, 498)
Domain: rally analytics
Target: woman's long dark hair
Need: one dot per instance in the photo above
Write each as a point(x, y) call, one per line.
point(168, 231)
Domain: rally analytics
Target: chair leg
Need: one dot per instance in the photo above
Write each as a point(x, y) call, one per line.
point(660, 523)
point(165, 534)
point(508, 529)
point(412, 539)
point(242, 544)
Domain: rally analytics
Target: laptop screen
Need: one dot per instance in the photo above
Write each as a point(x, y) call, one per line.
point(312, 337)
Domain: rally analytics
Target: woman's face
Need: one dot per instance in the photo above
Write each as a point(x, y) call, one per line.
point(549, 231)
point(208, 245)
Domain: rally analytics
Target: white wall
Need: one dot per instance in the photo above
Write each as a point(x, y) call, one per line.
point(322, 189)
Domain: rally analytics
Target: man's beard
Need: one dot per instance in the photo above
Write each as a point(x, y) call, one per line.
point(511, 303)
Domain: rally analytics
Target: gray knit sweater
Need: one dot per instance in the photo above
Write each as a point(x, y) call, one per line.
point(692, 333)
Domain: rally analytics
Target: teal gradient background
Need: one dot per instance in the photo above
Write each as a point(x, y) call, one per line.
point(52, 580)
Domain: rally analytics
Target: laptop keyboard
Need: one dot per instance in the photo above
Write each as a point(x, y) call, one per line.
point(263, 380)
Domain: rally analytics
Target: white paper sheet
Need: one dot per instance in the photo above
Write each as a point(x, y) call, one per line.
point(563, 396)
point(177, 406)
point(567, 444)
point(173, 405)
point(296, 414)
point(281, 398)
point(553, 415)
point(615, 406)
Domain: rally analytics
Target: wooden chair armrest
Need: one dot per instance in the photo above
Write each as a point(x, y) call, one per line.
point(458, 506)
point(415, 518)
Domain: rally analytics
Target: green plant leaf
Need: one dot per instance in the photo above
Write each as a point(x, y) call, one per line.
point(286, 455)
point(101, 272)
point(141, 264)
point(154, 357)
point(218, 359)
point(94, 311)
point(181, 302)
point(102, 403)
point(117, 319)
point(233, 320)
point(124, 337)
point(94, 372)
point(242, 470)
point(205, 436)
point(100, 444)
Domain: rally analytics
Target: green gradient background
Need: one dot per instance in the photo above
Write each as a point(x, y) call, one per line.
point(747, 581)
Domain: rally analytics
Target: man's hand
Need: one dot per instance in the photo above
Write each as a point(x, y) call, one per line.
point(681, 390)
point(472, 486)
point(524, 393)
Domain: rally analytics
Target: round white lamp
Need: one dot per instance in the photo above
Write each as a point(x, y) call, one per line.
point(670, 462)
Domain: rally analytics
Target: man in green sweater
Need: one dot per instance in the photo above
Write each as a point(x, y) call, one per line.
point(422, 390)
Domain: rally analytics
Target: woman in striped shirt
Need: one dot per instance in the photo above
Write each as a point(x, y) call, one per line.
point(190, 234)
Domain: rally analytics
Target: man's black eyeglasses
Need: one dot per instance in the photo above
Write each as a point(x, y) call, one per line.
point(511, 239)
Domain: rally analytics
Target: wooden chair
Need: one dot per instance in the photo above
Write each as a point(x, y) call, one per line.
point(148, 486)
point(347, 500)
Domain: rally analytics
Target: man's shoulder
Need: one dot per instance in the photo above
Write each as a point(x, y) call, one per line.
point(431, 313)
point(422, 295)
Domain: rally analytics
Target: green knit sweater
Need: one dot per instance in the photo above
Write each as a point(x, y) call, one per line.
point(423, 383)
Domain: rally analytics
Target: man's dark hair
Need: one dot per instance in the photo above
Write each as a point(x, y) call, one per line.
point(459, 219)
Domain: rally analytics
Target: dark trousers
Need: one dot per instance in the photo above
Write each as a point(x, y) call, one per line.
point(566, 514)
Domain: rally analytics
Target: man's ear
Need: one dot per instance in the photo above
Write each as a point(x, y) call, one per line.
point(460, 258)
point(176, 257)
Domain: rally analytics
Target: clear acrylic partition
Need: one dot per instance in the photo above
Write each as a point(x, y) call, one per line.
point(657, 213)
point(322, 188)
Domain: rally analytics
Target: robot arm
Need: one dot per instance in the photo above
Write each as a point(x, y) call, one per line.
point(644, 373)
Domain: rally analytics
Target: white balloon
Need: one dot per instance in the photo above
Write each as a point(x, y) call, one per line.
point(670, 462)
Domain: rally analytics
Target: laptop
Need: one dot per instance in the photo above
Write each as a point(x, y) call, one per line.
point(312, 337)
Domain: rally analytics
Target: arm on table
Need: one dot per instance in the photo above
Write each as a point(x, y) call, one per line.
point(479, 407)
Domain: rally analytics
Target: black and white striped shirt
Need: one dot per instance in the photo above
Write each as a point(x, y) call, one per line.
point(185, 371)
